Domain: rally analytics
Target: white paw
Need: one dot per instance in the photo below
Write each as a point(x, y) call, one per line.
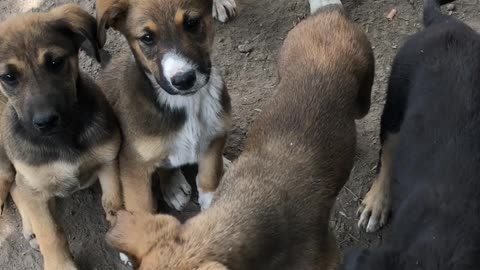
point(176, 191)
point(125, 259)
point(205, 199)
point(224, 9)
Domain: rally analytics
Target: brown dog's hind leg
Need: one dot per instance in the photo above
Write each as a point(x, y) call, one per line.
point(109, 179)
point(375, 207)
point(210, 171)
point(51, 240)
point(136, 179)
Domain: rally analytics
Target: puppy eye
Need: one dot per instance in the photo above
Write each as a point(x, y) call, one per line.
point(55, 64)
point(192, 24)
point(147, 39)
point(9, 78)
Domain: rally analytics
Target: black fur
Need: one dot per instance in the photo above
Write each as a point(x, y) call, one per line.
point(433, 103)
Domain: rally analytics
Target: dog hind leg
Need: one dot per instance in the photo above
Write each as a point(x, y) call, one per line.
point(315, 5)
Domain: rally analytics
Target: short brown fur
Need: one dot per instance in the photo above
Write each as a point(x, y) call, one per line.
point(37, 166)
point(149, 126)
point(272, 208)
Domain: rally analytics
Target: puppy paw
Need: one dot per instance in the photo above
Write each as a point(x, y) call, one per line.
point(125, 259)
point(176, 191)
point(374, 210)
point(223, 10)
point(111, 205)
point(205, 199)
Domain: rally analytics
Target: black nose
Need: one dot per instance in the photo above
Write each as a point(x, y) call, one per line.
point(46, 121)
point(184, 81)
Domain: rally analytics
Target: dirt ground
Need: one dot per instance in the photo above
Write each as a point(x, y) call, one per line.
point(251, 78)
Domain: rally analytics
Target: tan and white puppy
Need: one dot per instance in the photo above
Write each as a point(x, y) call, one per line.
point(58, 132)
point(172, 104)
point(272, 208)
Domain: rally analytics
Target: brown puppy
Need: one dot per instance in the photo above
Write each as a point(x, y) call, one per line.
point(172, 104)
point(273, 206)
point(58, 133)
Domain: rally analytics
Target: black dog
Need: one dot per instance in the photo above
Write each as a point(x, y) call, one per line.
point(430, 157)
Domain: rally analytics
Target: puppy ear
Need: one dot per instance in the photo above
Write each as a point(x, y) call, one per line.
point(72, 20)
point(136, 233)
point(109, 14)
point(212, 266)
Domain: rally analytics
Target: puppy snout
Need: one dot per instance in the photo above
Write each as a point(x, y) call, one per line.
point(46, 121)
point(185, 80)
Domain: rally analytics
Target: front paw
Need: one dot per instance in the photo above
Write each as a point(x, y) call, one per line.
point(224, 9)
point(111, 205)
point(176, 191)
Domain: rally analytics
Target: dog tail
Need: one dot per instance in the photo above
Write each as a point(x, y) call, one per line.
point(432, 13)
point(315, 5)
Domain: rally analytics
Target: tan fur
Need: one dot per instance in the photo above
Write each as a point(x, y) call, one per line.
point(210, 168)
point(42, 176)
point(147, 144)
point(272, 208)
point(375, 208)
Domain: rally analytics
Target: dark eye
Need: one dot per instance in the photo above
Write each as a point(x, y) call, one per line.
point(9, 78)
point(192, 24)
point(148, 39)
point(55, 64)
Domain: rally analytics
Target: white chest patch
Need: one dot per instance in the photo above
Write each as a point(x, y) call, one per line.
point(204, 122)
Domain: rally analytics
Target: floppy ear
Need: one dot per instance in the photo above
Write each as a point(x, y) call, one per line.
point(136, 233)
point(73, 20)
point(109, 14)
point(212, 266)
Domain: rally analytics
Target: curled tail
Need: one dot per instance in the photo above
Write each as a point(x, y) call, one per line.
point(432, 13)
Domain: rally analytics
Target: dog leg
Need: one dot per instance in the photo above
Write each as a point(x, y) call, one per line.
point(224, 9)
point(6, 180)
point(26, 224)
point(111, 192)
point(136, 179)
point(7, 175)
point(375, 207)
point(210, 171)
point(51, 241)
point(176, 190)
point(318, 4)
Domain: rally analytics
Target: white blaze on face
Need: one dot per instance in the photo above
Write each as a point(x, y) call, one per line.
point(174, 64)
